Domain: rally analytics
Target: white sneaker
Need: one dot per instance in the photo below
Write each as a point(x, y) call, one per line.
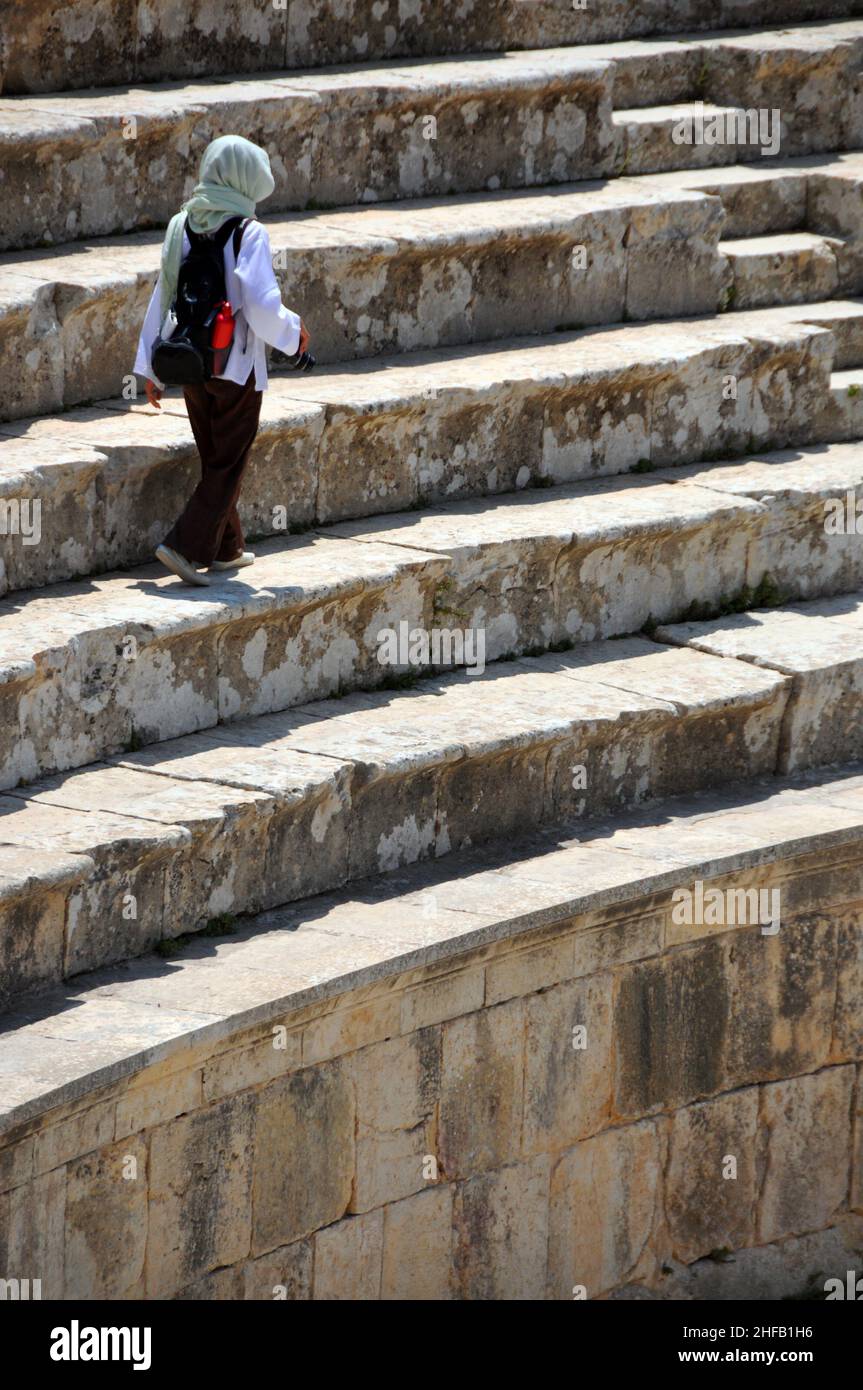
point(179, 565)
point(239, 562)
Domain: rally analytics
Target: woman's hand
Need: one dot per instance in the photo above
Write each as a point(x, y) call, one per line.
point(154, 395)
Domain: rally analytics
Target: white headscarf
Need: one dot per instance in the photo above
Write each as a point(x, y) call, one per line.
point(235, 175)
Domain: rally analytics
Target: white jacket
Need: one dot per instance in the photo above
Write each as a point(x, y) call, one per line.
point(260, 316)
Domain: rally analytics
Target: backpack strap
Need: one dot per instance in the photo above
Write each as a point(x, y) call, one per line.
point(238, 235)
point(220, 237)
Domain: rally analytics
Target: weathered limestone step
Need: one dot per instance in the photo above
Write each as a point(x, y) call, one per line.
point(846, 414)
point(615, 574)
point(786, 268)
point(419, 274)
point(105, 484)
point(129, 660)
point(645, 138)
point(46, 49)
point(842, 317)
point(116, 1023)
point(428, 272)
point(800, 490)
point(790, 92)
point(820, 646)
point(819, 194)
point(102, 162)
point(811, 75)
point(269, 811)
point(767, 67)
point(322, 1054)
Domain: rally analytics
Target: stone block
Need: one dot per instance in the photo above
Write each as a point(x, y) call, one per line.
point(145, 1106)
point(520, 972)
point(604, 1201)
point(713, 1173)
point(16, 1162)
point(200, 1194)
point(397, 1087)
point(242, 1068)
point(34, 908)
point(481, 1090)
point(808, 1120)
point(348, 1259)
point(568, 1064)
point(501, 1232)
point(671, 1019)
point(32, 1233)
point(346, 1030)
point(106, 1222)
point(417, 1250)
point(303, 1155)
point(45, 49)
point(445, 996)
point(656, 271)
point(282, 1275)
point(84, 1131)
point(782, 993)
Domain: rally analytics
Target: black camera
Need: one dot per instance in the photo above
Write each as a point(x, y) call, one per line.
point(302, 361)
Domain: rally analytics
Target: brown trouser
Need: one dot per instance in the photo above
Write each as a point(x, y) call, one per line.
point(224, 419)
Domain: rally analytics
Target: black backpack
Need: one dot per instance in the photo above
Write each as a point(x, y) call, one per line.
point(186, 358)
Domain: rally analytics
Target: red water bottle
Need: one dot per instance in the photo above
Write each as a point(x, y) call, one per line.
point(222, 333)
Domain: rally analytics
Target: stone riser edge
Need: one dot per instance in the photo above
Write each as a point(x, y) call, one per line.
point(319, 462)
point(232, 847)
point(370, 289)
point(393, 289)
point(43, 56)
point(471, 1063)
point(363, 138)
point(114, 679)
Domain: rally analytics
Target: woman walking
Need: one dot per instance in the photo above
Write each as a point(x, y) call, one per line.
point(224, 407)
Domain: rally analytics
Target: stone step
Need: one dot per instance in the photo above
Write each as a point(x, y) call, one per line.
point(426, 273)
point(133, 659)
point(819, 645)
point(121, 160)
point(54, 50)
point(248, 816)
point(655, 139)
point(116, 1022)
point(97, 163)
point(819, 194)
point(785, 268)
point(747, 69)
point(846, 415)
point(840, 317)
point(788, 92)
point(810, 76)
point(324, 1052)
point(98, 488)
point(419, 274)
